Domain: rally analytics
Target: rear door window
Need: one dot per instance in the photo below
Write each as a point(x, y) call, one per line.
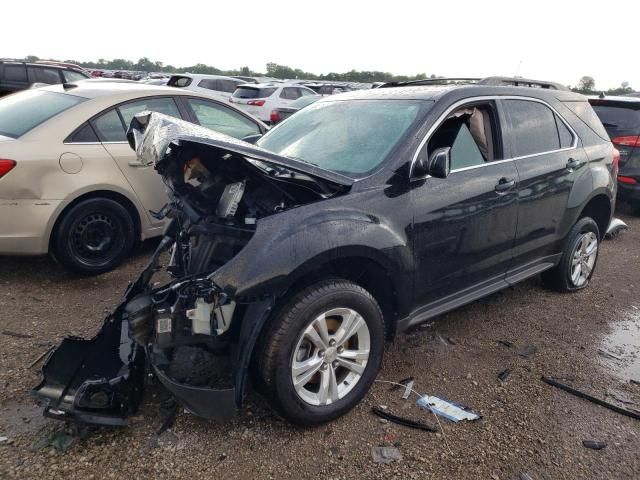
point(166, 105)
point(49, 76)
point(290, 93)
point(109, 127)
point(566, 137)
point(209, 84)
point(15, 73)
point(532, 127)
point(222, 119)
point(228, 86)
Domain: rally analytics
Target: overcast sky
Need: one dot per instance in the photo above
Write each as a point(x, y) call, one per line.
point(553, 40)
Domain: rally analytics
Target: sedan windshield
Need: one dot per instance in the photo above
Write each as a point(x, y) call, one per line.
point(352, 137)
point(23, 111)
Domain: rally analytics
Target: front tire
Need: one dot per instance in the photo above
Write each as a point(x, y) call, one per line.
point(94, 236)
point(322, 352)
point(578, 260)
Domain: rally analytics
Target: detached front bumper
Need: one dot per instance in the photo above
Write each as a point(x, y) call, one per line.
point(94, 381)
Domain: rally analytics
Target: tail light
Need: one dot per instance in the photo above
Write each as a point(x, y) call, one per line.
point(616, 161)
point(256, 103)
point(627, 141)
point(627, 180)
point(274, 117)
point(6, 166)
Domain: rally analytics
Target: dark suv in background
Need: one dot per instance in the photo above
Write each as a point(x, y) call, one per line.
point(621, 118)
point(360, 216)
point(16, 76)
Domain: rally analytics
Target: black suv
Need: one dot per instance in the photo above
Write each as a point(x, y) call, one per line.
point(16, 76)
point(364, 214)
point(621, 118)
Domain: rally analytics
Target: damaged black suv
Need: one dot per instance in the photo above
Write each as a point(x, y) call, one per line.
point(291, 259)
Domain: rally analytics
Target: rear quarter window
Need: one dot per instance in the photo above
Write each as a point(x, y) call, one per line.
point(24, 111)
point(586, 114)
point(179, 81)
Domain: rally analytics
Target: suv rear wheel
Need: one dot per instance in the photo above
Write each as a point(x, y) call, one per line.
point(94, 236)
point(322, 352)
point(578, 258)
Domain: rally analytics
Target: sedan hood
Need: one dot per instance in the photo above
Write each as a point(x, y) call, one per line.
point(152, 134)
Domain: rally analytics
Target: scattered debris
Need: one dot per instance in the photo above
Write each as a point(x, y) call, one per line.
point(407, 389)
point(593, 445)
point(58, 440)
point(504, 374)
point(620, 397)
point(4, 440)
point(403, 421)
point(40, 357)
point(506, 343)
point(16, 334)
point(616, 227)
point(446, 409)
point(632, 380)
point(586, 396)
point(385, 454)
point(402, 383)
point(525, 476)
point(606, 353)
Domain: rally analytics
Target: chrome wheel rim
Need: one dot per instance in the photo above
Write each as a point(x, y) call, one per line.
point(584, 258)
point(330, 356)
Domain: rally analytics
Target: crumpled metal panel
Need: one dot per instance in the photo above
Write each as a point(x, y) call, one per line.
point(151, 134)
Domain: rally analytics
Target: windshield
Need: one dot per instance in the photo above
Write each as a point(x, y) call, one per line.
point(349, 137)
point(24, 111)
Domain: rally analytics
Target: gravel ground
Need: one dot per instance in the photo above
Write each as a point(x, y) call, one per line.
point(526, 425)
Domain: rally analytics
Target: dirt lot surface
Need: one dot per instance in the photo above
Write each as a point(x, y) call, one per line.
point(527, 427)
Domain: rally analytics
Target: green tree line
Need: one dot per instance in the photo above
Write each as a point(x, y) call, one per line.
point(587, 85)
point(272, 70)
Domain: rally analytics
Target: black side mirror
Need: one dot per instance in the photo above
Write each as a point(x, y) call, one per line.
point(440, 162)
point(252, 138)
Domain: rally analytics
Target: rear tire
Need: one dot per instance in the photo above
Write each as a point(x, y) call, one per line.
point(94, 236)
point(579, 258)
point(314, 374)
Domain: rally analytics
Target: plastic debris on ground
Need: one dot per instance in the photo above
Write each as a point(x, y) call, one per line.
point(446, 409)
point(593, 445)
point(504, 375)
point(385, 454)
point(58, 440)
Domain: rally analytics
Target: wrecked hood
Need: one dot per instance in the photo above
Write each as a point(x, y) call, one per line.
point(151, 135)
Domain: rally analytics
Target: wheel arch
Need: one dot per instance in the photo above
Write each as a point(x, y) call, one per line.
point(600, 208)
point(122, 199)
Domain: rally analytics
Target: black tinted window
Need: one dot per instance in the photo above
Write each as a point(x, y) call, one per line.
point(83, 134)
point(209, 83)
point(15, 73)
point(178, 81)
point(619, 120)
point(227, 85)
point(290, 93)
point(566, 137)
point(533, 127)
point(44, 75)
point(253, 92)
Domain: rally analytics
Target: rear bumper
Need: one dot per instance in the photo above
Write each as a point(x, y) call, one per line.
point(25, 226)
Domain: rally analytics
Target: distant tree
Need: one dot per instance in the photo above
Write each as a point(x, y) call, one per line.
point(587, 84)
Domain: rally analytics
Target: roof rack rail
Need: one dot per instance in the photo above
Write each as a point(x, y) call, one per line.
point(521, 82)
point(489, 81)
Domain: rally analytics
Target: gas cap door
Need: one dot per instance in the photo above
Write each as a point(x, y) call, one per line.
point(70, 163)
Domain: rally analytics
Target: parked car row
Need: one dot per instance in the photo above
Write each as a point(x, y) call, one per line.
point(16, 76)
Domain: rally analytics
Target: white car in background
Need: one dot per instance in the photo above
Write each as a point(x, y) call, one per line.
point(215, 86)
point(263, 99)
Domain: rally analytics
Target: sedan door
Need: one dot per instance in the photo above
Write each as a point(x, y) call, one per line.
point(465, 224)
point(111, 128)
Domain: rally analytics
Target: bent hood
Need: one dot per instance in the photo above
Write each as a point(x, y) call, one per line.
point(151, 135)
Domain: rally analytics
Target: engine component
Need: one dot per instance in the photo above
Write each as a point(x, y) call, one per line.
point(230, 199)
point(224, 314)
point(138, 312)
point(200, 317)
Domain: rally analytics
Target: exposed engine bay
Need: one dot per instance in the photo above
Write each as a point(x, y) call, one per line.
point(187, 327)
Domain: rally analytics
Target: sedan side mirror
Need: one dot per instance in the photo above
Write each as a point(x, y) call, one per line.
point(438, 164)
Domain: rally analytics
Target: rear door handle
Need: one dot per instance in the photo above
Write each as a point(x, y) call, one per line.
point(505, 184)
point(573, 164)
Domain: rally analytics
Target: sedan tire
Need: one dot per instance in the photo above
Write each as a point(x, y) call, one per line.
point(94, 236)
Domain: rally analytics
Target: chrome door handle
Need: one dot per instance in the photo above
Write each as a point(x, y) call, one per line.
point(505, 184)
